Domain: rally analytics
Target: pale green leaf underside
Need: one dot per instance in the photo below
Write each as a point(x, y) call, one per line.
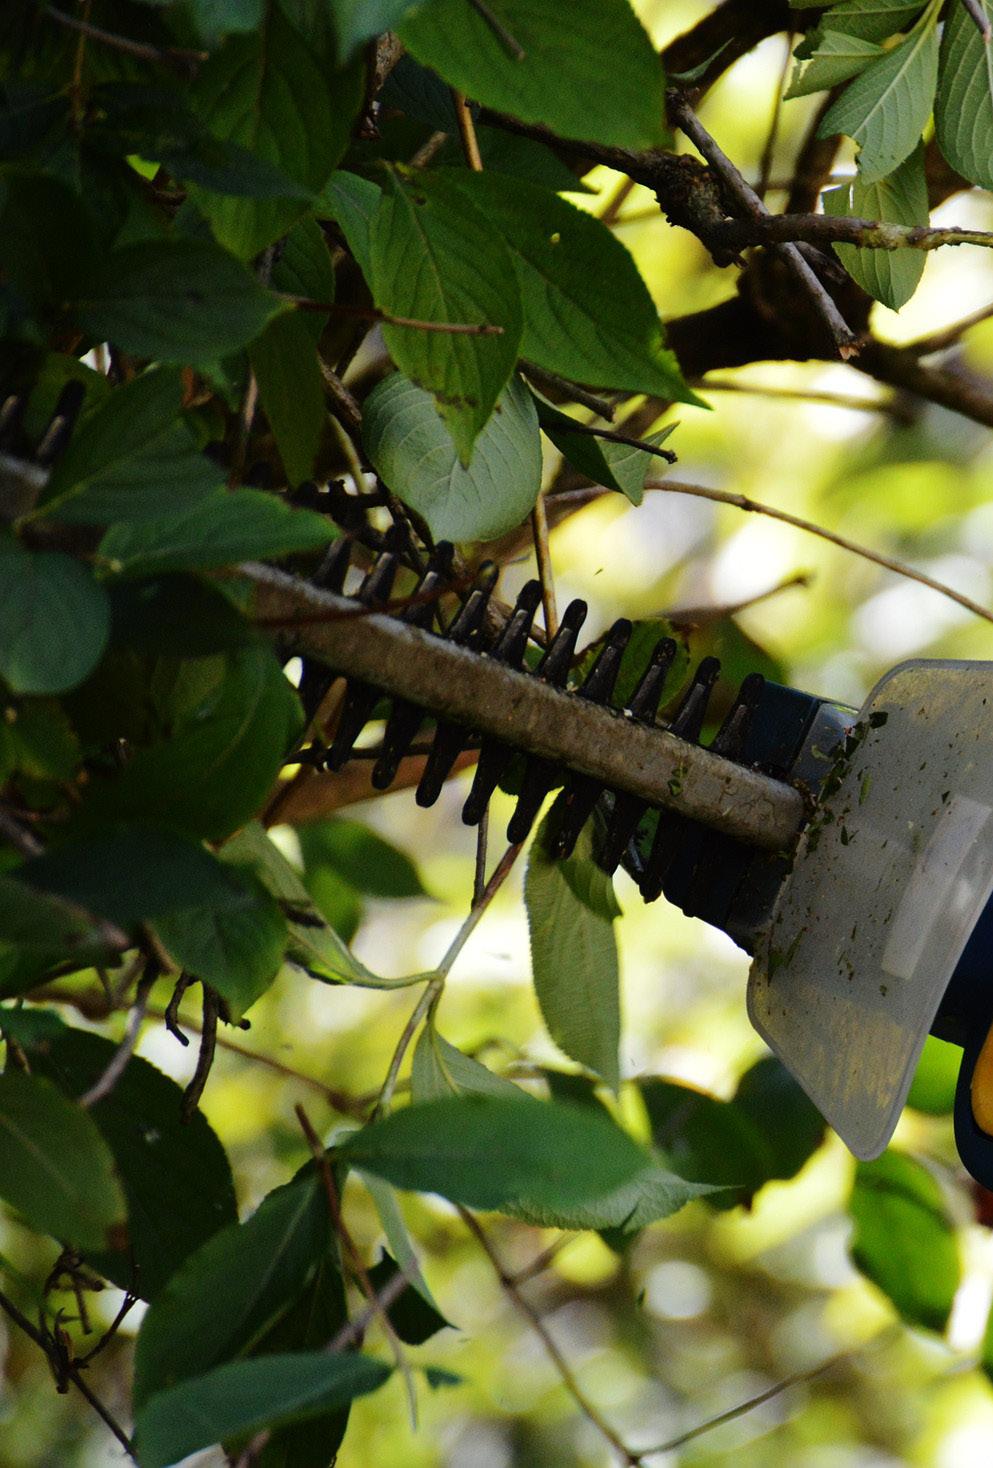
point(890, 276)
point(836, 58)
point(886, 108)
point(963, 109)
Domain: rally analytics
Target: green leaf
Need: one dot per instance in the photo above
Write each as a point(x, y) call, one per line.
point(614, 465)
point(767, 1131)
point(490, 1152)
point(358, 21)
point(890, 276)
point(175, 1174)
point(561, 85)
point(872, 20)
point(54, 620)
point(132, 458)
point(963, 109)
point(55, 1168)
point(653, 1194)
point(904, 1240)
point(361, 856)
point(571, 907)
point(438, 1070)
point(313, 943)
point(412, 452)
point(304, 268)
point(238, 950)
point(221, 757)
point(223, 1299)
point(575, 323)
point(268, 93)
point(835, 58)
point(936, 1078)
point(178, 300)
point(217, 18)
point(218, 531)
point(176, 615)
point(284, 360)
point(41, 928)
point(886, 108)
point(413, 1318)
point(352, 202)
point(244, 1396)
point(434, 257)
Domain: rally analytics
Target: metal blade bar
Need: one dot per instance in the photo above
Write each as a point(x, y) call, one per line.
point(481, 694)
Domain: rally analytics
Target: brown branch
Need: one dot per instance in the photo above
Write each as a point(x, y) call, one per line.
point(141, 50)
point(980, 19)
point(117, 1064)
point(948, 336)
point(829, 229)
point(205, 1057)
point(543, 560)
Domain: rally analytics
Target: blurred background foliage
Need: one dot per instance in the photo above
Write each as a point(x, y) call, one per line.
point(717, 1305)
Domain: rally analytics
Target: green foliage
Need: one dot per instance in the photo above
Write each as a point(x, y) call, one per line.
point(56, 619)
point(903, 1239)
point(963, 112)
point(900, 198)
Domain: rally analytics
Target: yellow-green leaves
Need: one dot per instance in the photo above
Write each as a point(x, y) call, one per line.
point(891, 276)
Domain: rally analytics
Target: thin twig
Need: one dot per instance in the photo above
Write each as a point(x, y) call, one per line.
point(982, 20)
point(806, 395)
point(372, 313)
point(543, 559)
point(347, 404)
point(948, 336)
point(624, 438)
point(900, 568)
point(571, 390)
point(139, 49)
point(479, 874)
point(205, 1058)
point(830, 229)
point(428, 150)
point(467, 131)
point(566, 1374)
point(117, 1064)
point(68, 1369)
point(509, 42)
point(171, 1014)
point(354, 1330)
point(500, 873)
point(769, 146)
point(741, 193)
point(23, 840)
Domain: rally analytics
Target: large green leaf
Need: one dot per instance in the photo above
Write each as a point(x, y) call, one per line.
point(433, 257)
point(438, 1070)
point(227, 740)
point(653, 1194)
point(54, 619)
point(904, 1240)
point(361, 857)
point(872, 20)
point(284, 360)
point(540, 73)
point(55, 1168)
point(217, 531)
point(575, 323)
point(614, 465)
point(132, 458)
point(224, 1298)
point(414, 455)
point(358, 21)
point(177, 300)
point(886, 108)
point(963, 109)
point(890, 276)
point(244, 1396)
point(304, 268)
point(833, 59)
point(268, 93)
point(238, 950)
point(571, 907)
point(352, 201)
point(175, 1174)
point(491, 1152)
point(768, 1130)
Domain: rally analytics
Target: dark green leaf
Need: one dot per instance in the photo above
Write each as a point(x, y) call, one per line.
point(559, 85)
point(132, 458)
point(175, 1174)
point(361, 857)
point(268, 93)
point(237, 950)
point(304, 268)
point(886, 108)
point(224, 1298)
point(55, 619)
point(284, 360)
point(244, 1396)
point(413, 1318)
point(767, 1131)
point(175, 615)
point(904, 1240)
point(873, 20)
point(216, 18)
point(43, 927)
point(37, 740)
point(438, 1070)
point(571, 907)
point(178, 300)
point(835, 58)
point(963, 109)
point(358, 21)
point(488, 1152)
point(411, 450)
point(55, 1168)
point(587, 311)
point(218, 531)
point(433, 257)
point(222, 756)
point(891, 276)
point(614, 465)
point(352, 202)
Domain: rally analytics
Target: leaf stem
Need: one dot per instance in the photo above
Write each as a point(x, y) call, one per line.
point(372, 313)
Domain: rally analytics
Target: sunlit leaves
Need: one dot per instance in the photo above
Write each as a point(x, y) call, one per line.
point(891, 276)
point(832, 59)
point(512, 58)
point(571, 907)
point(55, 619)
point(55, 1167)
point(433, 257)
point(904, 1240)
point(414, 454)
point(243, 1396)
point(963, 110)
